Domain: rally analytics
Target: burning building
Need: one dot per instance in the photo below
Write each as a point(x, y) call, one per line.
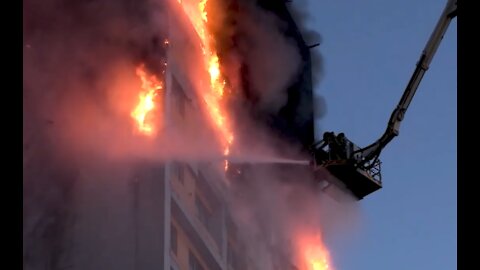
point(165, 190)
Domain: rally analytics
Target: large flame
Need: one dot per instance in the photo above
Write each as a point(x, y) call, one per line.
point(213, 96)
point(312, 253)
point(150, 87)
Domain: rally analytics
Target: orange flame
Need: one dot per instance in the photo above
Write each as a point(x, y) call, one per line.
point(146, 104)
point(312, 252)
point(213, 96)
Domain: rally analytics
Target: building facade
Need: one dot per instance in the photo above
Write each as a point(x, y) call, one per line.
point(173, 215)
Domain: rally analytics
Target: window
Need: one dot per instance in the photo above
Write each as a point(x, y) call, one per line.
point(181, 172)
point(231, 257)
point(203, 213)
point(209, 210)
point(173, 239)
point(193, 262)
point(180, 98)
point(234, 259)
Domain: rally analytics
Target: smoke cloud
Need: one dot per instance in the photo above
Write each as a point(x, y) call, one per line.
point(302, 17)
point(79, 59)
point(300, 13)
point(80, 86)
point(272, 59)
point(278, 207)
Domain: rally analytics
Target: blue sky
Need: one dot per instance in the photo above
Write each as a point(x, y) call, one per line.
point(370, 49)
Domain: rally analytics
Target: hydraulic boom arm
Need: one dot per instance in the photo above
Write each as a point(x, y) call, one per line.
point(372, 151)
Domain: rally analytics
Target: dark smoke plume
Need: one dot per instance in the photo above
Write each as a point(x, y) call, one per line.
point(302, 16)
